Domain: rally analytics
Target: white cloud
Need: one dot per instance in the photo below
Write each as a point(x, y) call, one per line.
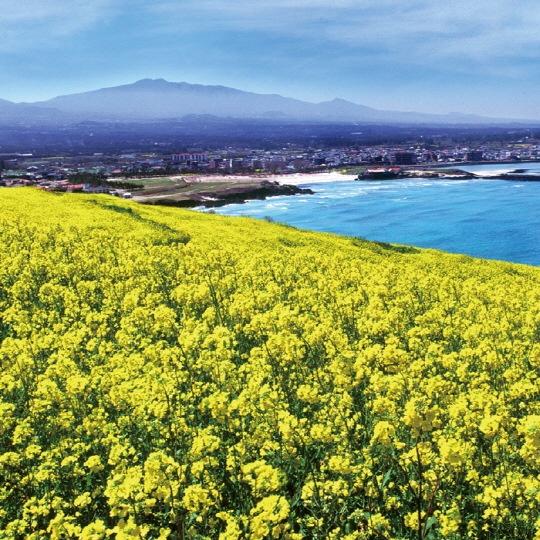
point(472, 36)
point(422, 31)
point(27, 24)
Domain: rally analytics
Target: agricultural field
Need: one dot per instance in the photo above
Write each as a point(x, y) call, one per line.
point(168, 374)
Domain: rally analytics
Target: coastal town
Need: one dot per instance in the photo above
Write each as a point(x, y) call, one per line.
point(121, 174)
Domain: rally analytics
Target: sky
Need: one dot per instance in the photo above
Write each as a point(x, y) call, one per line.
point(480, 57)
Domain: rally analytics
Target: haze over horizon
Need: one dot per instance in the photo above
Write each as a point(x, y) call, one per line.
point(431, 57)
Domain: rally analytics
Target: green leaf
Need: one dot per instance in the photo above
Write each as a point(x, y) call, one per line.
point(431, 521)
point(385, 479)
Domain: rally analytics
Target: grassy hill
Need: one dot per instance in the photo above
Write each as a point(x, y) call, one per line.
point(172, 374)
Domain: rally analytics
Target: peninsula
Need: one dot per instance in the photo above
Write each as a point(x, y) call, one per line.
point(216, 192)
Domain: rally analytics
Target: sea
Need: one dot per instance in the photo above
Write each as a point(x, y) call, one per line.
point(486, 218)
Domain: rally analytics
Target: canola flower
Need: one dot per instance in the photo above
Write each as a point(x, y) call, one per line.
point(173, 375)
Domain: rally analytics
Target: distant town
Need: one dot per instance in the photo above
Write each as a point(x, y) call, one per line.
point(97, 172)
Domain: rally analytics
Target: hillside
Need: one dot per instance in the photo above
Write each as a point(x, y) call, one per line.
point(172, 374)
point(22, 112)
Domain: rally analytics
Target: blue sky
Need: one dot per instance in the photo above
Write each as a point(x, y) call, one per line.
point(434, 56)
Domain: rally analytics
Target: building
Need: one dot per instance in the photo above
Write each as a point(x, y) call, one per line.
point(96, 189)
point(184, 158)
point(403, 158)
point(474, 155)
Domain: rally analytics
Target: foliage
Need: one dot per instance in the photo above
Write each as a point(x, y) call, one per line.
point(100, 179)
point(148, 172)
point(256, 381)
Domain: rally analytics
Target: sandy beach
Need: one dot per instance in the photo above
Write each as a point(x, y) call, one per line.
point(293, 179)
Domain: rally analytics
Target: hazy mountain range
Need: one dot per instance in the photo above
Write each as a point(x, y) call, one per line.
point(150, 99)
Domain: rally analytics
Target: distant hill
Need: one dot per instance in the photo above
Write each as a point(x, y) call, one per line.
point(23, 112)
point(150, 99)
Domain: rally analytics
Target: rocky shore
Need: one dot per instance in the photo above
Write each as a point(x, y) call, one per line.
point(391, 174)
point(454, 174)
point(516, 177)
point(238, 194)
point(216, 192)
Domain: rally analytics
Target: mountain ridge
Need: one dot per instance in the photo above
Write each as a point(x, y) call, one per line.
point(153, 99)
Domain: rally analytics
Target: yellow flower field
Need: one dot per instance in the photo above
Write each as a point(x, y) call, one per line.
point(168, 374)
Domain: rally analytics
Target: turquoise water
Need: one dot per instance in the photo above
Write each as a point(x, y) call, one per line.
point(491, 219)
point(528, 168)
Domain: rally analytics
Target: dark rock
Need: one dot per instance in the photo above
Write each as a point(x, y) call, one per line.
point(236, 195)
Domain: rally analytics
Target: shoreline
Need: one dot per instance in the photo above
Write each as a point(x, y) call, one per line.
point(282, 179)
point(300, 178)
point(237, 194)
point(212, 191)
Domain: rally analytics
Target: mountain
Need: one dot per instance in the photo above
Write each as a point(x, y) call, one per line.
point(150, 99)
point(26, 113)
